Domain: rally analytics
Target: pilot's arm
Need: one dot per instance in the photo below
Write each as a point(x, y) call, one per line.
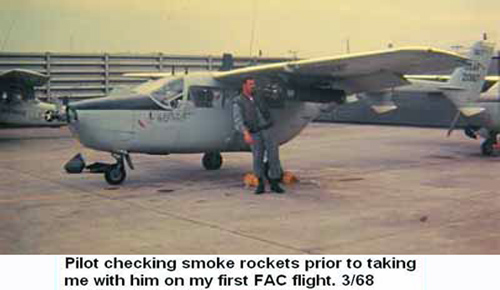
point(239, 125)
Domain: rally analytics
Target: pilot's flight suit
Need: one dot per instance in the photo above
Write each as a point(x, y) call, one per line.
point(254, 115)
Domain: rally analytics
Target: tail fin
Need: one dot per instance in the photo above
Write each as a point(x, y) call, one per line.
point(466, 83)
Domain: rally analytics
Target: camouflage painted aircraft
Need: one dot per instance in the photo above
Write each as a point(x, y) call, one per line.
point(193, 113)
point(18, 105)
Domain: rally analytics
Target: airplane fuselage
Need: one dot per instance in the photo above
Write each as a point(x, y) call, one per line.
point(26, 114)
point(193, 124)
point(489, 119)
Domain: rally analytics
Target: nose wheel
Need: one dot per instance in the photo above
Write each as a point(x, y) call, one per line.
point(115, 174)
point(212, 161)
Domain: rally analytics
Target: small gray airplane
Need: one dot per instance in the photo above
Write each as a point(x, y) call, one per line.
point(481, 111)
point(475, 96)
point(193, 113)
point(18, 105)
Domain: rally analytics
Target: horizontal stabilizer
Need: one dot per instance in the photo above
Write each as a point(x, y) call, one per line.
point(470, 111)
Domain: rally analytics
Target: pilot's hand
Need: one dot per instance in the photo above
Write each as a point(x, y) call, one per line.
point(247, 137)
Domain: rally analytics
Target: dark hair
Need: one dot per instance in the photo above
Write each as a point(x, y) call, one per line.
point(247, 79)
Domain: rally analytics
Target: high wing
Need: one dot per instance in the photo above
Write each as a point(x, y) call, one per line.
point(23, 81)
point(23, 77)
point(354, 73)
point(489, 81)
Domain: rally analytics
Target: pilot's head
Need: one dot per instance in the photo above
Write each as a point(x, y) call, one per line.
point(248, 86)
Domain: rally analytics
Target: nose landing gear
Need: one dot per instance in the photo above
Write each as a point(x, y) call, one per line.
point(114, 174)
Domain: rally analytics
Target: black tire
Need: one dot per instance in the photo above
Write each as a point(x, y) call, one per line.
point(115, 174)
point(212, 161)
point(487, 147)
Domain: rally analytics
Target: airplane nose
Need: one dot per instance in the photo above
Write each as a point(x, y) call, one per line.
point(107, 123)
point(84, 117)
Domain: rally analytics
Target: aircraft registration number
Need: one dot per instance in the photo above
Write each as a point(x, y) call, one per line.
point(470, 77)
point(167, 116)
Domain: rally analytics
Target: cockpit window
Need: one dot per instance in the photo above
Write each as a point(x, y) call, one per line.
point(169, 90)
point(166, 93)
point(205, 97)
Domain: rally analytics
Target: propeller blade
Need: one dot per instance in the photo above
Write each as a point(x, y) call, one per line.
point(453, 123)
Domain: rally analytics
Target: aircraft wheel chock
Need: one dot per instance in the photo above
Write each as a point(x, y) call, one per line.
point(250, 180)
point(212, 161)
point(115, 174)
point(289, 178)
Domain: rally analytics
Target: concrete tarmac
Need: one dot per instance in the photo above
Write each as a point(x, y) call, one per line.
point(363, 190)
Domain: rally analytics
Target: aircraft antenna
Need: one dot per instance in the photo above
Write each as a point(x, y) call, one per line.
point(7, 36)
point(71, 43)
point(252, 36)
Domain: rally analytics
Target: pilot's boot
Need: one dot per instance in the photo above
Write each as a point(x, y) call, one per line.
point(261, 188)
point(275, 186)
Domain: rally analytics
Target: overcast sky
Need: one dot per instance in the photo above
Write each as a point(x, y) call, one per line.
point(310, 27)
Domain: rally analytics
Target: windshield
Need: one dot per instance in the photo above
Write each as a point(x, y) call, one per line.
point(165, 92)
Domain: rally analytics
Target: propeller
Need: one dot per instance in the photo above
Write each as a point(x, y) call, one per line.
point(59, 114)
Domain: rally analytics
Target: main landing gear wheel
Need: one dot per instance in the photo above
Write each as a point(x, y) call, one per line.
point(487, 147)
point(212, 161)
point(115, 174)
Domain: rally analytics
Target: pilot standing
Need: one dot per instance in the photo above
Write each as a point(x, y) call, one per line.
point(253, 119)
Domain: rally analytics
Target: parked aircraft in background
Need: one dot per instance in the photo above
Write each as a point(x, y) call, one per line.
point(480, 111)
point(18, 105)
point(475, 95)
